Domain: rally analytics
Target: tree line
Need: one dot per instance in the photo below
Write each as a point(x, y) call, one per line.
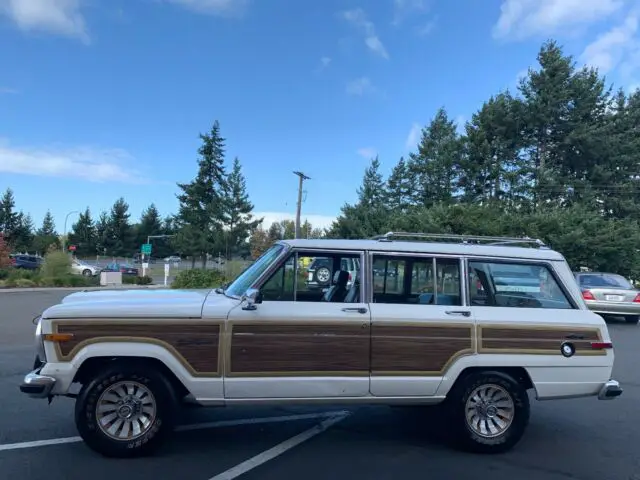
point(215, 217)
point(559, 160)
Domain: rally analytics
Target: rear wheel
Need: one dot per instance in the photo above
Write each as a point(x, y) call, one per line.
point(632, 318)
point(86, 273)
point(489, 412)
point(126, 411)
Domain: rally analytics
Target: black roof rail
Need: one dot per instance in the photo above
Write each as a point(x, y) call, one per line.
point(465, 239)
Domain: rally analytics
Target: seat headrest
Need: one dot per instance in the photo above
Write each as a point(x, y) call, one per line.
point(341, 277)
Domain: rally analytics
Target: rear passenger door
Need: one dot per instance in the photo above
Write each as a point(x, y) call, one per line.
point(419, 324)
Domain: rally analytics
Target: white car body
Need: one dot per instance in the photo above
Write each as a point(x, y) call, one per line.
point(81, 268)
point(229, 348)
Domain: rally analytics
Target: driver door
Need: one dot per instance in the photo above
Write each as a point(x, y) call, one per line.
point(300, 342)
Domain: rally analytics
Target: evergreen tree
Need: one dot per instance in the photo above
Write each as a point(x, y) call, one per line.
point(119, 232)
point(371, 194)
point(201, 215)
point(275, 232)
point(9, 218)
point(400, 186)
point(150, 224)
point(46, 235)
point(239, 221)
point(23, 233)
point(48, 227)
point(83, 235)
point(435, 166)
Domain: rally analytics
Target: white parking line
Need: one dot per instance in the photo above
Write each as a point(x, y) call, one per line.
point(184, 428)
point(279, 449)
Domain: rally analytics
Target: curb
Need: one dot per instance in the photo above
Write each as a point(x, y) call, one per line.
point(80, 289)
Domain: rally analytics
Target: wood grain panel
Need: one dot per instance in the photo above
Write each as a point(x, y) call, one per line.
point(196, 345)
point(299, 350)
point(417, 350)
point(536, 339)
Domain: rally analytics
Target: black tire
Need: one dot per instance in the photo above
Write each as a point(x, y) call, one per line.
point(632, 319)
point(464, 436)
point(86, 272)
point(161, 426)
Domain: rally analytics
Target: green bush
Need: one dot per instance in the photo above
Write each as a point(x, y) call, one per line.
point(24, 283)
point(56, 264)
point(21, 273)
point(198, 278)
point(4, 273)
point(131, 280)
point(68, 280)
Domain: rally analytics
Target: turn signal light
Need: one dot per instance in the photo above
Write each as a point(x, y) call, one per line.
point(601, 345)
point(58, 337)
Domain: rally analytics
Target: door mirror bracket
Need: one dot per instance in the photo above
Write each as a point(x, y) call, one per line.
point(251, 298)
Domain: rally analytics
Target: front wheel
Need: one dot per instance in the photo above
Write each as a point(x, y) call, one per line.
point(86, 273)
point(489, 412)
point(126, 411)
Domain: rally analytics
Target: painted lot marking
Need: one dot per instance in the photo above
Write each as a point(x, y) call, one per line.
point(191, 427)
point(279, 449)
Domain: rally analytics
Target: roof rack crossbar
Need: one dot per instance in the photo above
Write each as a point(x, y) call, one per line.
point(389, 236)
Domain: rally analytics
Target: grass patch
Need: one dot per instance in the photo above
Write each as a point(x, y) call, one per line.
point(135, 280)
point(198, 278)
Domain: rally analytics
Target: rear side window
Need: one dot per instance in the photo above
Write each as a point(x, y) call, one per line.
point(520, 285)
point(604, 280)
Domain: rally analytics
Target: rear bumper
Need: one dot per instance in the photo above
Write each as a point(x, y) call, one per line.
point(614, 308)
point(36, 385)
point(610, 390)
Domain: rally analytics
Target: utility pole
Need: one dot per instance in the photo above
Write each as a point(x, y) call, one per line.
point(303, 177)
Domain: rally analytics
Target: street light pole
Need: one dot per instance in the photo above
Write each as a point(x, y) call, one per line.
point(64, 234)
point(303, 177)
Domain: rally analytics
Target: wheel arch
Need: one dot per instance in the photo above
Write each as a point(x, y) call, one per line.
point(519, 374)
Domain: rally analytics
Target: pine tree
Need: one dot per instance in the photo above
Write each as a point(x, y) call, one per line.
point(48, 227)
point(238, 219)
point(23, 233)
point(102, 241)
point(120, 235)
point(400, 187)
point(83, 234)
point(46, 235)
point(150, 224)
point(201, 215)
point(435, 166)
point(8, 216)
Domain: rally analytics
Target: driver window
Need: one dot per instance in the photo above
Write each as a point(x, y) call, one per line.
point(315, 277)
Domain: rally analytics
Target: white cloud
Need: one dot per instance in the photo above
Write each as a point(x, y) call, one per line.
point(325, 61)
point(367, 152)
point(7, 91)
point(213, 7)
point(86, 163)
point(360, 86)
point(358, 18)
point(405, 8)
point(428, 27)
point(612, 47)
point(316, 221)
point(59, 17)
point(520, 19)
point(414, 136)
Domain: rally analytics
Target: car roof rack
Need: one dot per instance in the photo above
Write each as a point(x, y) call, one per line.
point(464, 239)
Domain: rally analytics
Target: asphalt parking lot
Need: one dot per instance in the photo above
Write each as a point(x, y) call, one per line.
point(580, 439)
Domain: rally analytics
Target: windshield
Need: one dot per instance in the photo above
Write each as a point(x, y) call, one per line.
point(247, 278)
point(605, 280)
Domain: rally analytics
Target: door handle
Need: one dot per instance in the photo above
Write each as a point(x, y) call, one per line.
point(355, 309)
point(464, 313)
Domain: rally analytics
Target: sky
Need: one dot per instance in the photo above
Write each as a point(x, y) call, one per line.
point(106, 98)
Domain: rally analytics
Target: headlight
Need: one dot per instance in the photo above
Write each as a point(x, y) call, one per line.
point(39, 342)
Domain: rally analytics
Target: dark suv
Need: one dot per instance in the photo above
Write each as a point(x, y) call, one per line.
point(28, 262)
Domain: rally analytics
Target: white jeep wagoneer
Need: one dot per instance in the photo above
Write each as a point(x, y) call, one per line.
point(472, 323)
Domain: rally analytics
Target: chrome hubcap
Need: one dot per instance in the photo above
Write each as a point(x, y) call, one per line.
point(323, 275)
point(489, 411)
point(126, 410)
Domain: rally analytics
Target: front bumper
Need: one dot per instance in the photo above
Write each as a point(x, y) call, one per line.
point(36, 385)
point(610, 390)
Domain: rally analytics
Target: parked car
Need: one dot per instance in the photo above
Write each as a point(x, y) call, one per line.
point(172, 259)
point(265, 339)
point(609, 294)
point(320, 271)
point(80, 267)
point(124, 268)
point(27, 262)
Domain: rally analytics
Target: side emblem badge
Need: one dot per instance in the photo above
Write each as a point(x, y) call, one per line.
point(567, 349)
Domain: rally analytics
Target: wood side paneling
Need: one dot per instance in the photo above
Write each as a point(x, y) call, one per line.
point(197, 346)
point(299, 349)
point(417, 350)
point(542, 339)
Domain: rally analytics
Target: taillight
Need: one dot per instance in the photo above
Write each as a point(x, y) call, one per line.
point(637, 299)
point(587, 295)
point(601, 345)
point(349, 277)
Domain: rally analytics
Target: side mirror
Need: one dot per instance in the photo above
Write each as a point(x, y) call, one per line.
point(251, 298)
